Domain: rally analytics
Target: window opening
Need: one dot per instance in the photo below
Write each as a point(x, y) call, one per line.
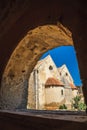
point(61, 92)
point(50, 67)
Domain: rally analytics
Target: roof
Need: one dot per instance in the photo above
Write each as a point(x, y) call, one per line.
point(73, 86)
point(53, 82)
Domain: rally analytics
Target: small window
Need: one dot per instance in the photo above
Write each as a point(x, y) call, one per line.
point(50, 67)
point(62, 92)
point(60, 73)
point(66, 74)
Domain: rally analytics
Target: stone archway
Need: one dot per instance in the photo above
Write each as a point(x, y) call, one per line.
point(14, 85)
point(17, 17)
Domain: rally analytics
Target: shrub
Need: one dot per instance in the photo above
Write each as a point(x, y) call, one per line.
point(77, 104)
point(63, 106)
point(82, 106)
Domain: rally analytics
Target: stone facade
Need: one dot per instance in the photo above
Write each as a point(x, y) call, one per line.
point(54, 93)
point(70, 89)
point(50, 86)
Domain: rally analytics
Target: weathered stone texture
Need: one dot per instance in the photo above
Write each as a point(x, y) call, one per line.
point(14, 83)
point(14, 24)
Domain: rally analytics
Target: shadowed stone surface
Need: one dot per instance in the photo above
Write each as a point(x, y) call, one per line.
point(28, 121)
point(17, 17)
point(14, 83)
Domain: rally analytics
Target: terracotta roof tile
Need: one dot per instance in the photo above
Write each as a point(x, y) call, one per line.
point(73, 86)
point(53, 82)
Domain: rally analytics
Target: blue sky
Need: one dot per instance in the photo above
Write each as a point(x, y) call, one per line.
point(66, 55)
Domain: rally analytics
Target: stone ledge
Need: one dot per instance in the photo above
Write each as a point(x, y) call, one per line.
point(25, 121)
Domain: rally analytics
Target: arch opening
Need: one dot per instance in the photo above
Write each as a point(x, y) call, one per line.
point(55, 82)
point(22, 61)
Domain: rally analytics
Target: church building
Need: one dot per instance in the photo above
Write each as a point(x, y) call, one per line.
point(49, 86)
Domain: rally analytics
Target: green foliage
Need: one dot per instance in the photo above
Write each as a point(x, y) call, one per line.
point(82, 106)
point(76, 101)
point(77, 104)
point(63, 106)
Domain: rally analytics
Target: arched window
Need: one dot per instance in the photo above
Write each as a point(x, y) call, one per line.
point(66, 74)
point(50, 67)
point(62, 92)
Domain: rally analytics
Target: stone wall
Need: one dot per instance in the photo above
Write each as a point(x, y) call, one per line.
point(14, 85)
